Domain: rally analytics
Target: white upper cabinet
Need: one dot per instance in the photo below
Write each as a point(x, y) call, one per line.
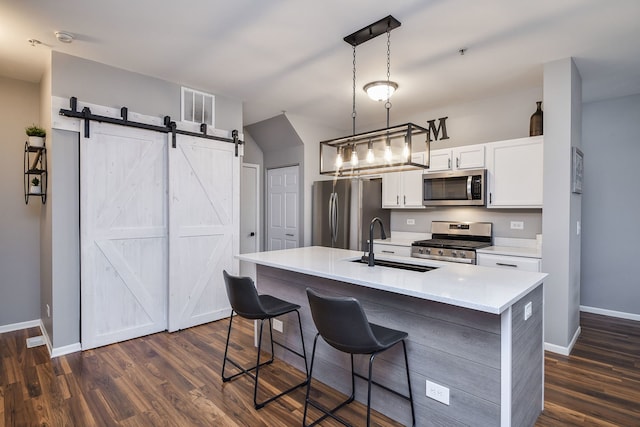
point(514, 173)
point(465, 157)
point(403, 189)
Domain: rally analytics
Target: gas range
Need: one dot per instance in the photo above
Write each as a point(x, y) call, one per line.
point(454, 241)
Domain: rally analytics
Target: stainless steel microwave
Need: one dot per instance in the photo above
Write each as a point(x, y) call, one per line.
point(455, 188)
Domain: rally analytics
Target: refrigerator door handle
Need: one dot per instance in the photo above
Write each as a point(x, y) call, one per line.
point(331, 216)
point(335, 218)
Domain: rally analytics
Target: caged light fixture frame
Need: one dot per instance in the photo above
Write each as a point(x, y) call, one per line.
point(384, 150)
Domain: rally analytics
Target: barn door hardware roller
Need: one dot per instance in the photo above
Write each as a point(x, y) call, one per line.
point(169, 125)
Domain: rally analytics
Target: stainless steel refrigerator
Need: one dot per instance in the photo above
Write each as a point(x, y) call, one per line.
point(343, 210)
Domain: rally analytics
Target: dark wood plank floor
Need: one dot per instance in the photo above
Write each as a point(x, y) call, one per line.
point(174, 380)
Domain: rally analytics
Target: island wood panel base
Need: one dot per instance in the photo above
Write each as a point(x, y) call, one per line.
point(452, 346)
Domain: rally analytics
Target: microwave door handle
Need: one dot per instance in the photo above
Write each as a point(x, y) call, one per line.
point(469, 180)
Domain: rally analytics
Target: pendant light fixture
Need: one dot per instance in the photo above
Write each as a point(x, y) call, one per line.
point(385, 150)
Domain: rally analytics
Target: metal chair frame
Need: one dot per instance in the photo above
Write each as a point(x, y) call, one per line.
point(331, 412)
point(249, 371)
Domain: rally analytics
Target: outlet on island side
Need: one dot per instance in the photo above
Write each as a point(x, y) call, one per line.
point(438, 392)
point(277, 325)
point(528, 310)
point(411, 221)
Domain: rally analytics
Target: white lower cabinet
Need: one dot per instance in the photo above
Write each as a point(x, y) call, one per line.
point(512, 262)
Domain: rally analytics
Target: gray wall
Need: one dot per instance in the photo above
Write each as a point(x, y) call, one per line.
point(19, 223)
point(102, 84)
point(611, 205)
point(501, 219)
point(561, 247)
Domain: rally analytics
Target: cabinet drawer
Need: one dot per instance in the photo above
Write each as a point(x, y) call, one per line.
point(512, 262)
point(395, 250)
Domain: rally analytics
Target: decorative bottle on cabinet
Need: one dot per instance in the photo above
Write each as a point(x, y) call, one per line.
point(535, 124)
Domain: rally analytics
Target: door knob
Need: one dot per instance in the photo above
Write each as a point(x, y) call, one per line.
point(252, 234)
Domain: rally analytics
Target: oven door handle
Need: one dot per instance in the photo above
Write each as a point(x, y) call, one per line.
point(469, 180)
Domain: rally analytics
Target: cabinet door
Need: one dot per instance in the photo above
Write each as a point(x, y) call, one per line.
point(395, 250)
point(515, 173)
point(440, 160)
point(391, 189)
point(509, 262)
point(469, 157)
point(412, 189)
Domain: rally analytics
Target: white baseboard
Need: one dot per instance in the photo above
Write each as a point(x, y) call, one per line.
point(58, 351)
point(67, 349)
point(611, 313)
point(565, 351)
point(18, 326)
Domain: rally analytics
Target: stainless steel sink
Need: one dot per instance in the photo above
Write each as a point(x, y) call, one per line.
point(395, 264)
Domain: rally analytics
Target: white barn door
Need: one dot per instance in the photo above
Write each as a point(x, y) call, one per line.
point(123, 232)
point(204, 225)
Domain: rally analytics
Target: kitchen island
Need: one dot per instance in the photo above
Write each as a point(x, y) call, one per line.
point(466, 324)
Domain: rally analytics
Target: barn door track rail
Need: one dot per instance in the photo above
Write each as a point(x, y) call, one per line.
point(169, 125)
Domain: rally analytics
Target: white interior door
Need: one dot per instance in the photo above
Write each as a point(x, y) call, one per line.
point(123, 232)
point(204, 183)
point(282, 211)
point(250, 209)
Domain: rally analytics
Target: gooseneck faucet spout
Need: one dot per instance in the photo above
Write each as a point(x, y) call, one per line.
point(384, 236)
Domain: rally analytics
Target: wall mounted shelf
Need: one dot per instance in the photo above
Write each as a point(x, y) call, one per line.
point(35, 166)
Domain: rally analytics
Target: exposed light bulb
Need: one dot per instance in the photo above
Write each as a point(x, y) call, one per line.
point(370, 156)
point(406, 152)
point(339, 159)
point(387, 152)
point(354, 157)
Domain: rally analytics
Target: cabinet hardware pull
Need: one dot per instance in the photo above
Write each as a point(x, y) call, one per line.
point(506, 265)
point(397, 200)
point(449, 163)
point(457, 162)
point(405, 199)
point(290, 235)
point(489, 198)
point(388, 252)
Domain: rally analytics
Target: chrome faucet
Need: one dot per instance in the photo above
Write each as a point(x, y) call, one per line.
point(384, 236)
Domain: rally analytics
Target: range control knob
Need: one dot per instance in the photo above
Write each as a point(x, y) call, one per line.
point(440, 252)
point(463, 255)
point(454, 254)
point(427, 251)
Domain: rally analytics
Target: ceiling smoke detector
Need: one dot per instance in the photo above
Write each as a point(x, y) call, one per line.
point(64, 37)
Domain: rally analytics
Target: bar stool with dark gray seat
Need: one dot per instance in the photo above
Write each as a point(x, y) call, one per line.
point(246, 303)
point(343, 324)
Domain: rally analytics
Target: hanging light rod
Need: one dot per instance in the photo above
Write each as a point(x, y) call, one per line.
point(372, 31)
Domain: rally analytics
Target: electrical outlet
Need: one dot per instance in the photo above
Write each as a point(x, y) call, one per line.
point(517, 225)
point(528, 310)
point(438, 392)
point(411, 221)
point(277, 325)
point(48, 311)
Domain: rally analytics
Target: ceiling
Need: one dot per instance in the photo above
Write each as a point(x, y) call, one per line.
point(288, 55)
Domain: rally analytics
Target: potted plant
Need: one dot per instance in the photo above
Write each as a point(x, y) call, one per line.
point(36, 135)
point(35, 186)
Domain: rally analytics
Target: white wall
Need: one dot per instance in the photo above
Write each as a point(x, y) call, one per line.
point(19, 223)
point(610, 269)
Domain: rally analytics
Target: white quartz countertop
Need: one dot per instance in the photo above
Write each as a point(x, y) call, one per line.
point(487, 289)
point(512, 251)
